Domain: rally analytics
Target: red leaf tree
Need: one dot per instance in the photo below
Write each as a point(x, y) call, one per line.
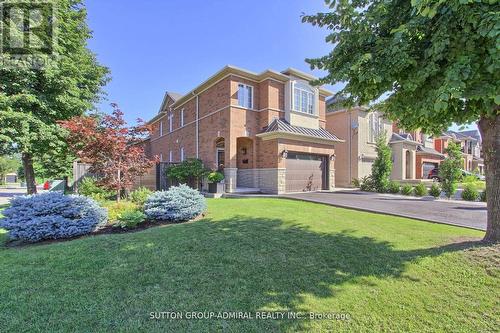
point(113, 149)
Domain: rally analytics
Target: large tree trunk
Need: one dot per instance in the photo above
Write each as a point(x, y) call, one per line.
point(29, 173)
point(490, 133)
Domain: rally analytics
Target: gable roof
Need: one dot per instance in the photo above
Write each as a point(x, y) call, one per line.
point(282, 126)
point(472, 133)
point(402, 138)
point(430, 151)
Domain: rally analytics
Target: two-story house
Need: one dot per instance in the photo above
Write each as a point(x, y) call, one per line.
point(266, 130)
point(470, 145)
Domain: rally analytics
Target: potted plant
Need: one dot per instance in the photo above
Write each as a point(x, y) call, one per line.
point(214, 182)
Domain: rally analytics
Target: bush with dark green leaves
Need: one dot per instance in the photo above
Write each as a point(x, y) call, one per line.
point(356, 183)
point(215, 177)
point(450, 170)
point(367, 184)
point(382, 166)
point(51, 215)
point(482, 196)
point(420, 190)
point(393, 187)
point(179, 203)
point(470, 192)
point(89, 188)
point(435, 190)
point(407, 189)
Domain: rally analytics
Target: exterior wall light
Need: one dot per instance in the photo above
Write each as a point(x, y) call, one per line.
point(332, 157)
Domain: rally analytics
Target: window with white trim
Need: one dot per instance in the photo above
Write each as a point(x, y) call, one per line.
point(161, 157)
point(170, 156)
point(182, 154)
point(170, 122)
point(376, 123)
point(182, 117)
point(245, 95)
point(161, 127)
point(304, 98)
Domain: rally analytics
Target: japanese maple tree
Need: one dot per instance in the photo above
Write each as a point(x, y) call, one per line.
point(113, 149)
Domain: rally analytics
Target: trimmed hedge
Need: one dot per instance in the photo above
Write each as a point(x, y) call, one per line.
point(51, 215)
point(179, 203)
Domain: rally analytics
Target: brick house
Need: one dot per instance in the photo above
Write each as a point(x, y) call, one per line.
point(470, 145)
point(266, 131)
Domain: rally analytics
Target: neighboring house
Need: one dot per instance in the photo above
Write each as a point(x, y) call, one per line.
point(265, 131)
point(413, 154)
point(470, 145)
point(359, 128)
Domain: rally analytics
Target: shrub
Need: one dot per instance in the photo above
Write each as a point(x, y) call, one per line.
point(140, 196)
point(51, 215)
point(469, 179)
point(189, 171)
point(356, 183)
point(179, 203)
point(367, 184)
point(393, 187)
point(420, 190)
point(482, 196)
point(470, 192)
point(116, 209)
point(89, 188)
point(215, 177)
point(130, 219)
point(449, 170)
point(435, 190)
point(407, 189)
point(382, 166)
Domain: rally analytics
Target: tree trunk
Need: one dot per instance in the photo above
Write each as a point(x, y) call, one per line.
point(29, 173)
point(490, 133)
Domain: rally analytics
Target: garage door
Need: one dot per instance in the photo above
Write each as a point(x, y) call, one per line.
point(426, 168)
point(305, 172)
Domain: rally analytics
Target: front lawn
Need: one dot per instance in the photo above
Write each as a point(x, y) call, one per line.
point(387, 273)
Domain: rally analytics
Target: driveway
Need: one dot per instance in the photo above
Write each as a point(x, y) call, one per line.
point(8, 193)
point(460, 213)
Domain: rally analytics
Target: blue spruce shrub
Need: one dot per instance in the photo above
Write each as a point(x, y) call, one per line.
point(179, 203)
point(51, 215)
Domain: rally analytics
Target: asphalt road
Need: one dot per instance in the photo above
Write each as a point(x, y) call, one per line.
point(6, 194)
point(460, 213)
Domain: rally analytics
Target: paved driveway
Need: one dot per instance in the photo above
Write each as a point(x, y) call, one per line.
point(468, 214)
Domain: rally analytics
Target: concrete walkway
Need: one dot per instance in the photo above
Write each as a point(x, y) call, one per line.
point(459, 213)
point(8, 193)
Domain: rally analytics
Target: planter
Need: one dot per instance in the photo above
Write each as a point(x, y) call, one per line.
point(216, 188)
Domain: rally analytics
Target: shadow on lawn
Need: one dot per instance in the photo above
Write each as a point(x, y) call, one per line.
point(236, 264)
point(255, 263)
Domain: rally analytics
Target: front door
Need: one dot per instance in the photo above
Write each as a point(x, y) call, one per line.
point(220, 159)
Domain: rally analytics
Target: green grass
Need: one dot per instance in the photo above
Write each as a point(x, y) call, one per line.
point(388, 273)
point(480, 185)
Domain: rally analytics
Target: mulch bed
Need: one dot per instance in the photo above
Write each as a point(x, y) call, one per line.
point(106, 230)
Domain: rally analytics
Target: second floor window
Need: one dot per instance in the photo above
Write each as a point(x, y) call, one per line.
point(182, 118)
point(376, 126)
point(170, 122)
point(245, 95)
point(161, 127)
point(303, 98)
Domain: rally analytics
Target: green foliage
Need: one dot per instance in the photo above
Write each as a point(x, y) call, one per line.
point(7, 165)
point(450, 170)
point(469, 179)
point(393, 187)
point(432, 59)
point(117, 209)
point(32, 100)
point(189, 171)
point(382, 166)
point(356, 183)
point(367, 184)
point(215, 177)
point(89, 188)
point(482, 196)
point(140, 196)
point(470, 192)
point(130, 219)
point(407, 189)
point(435, 190)
point(420, 190)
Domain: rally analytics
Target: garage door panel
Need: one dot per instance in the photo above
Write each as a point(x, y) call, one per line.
point(304, 173)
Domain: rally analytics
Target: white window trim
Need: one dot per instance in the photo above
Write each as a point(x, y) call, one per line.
point(161, 157)
point(182, 117)
point(217, 150)
point(315, 99)
point(252, 93)
point(170, 156)
point(170, 122)
point(182, 154)
point(161, 127)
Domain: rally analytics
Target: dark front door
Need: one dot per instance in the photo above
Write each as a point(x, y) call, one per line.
point(305, 172)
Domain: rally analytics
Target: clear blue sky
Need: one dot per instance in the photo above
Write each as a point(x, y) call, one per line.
point(152, 46)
